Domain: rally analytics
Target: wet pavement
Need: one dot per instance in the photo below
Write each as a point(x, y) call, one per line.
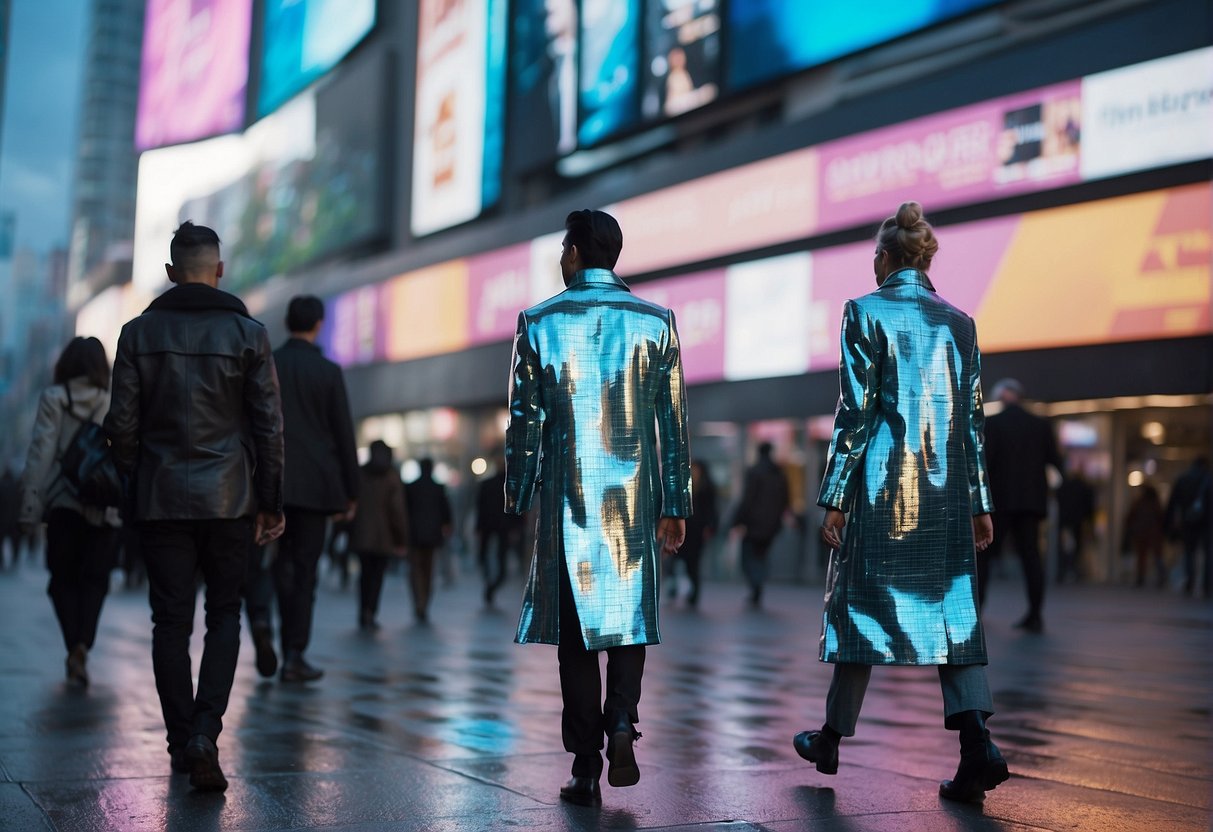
point(1104, 719)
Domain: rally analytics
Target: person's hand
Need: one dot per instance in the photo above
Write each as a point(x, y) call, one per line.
point(347, 516)
point(268, 526)
point(983, 531)
point(831, 527)
point(671, 532)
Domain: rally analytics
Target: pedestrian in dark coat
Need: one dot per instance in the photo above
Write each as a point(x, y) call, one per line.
point(701, 526)
point(321, 475)
point(499, 534)
point(1144, 533)
point(1019, 446)
point(380, 529)
point(430, 525)
point(1188, 520)
point(764, 500)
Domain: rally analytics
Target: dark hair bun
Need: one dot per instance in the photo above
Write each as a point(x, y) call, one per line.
point(909, 215)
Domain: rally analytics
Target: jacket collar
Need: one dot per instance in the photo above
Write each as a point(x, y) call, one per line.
point(191, 297)
point(908, 277)
point(300, 344)
point(597, 276)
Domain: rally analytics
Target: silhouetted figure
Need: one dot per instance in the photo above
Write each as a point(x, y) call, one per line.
point(1075, 510)
point(701, 526)
point(1145, 527)
point(379, 532)
point(430, 523)
point(1188, 520)
point(764, 499)
point(499, 534)
point(10, 502)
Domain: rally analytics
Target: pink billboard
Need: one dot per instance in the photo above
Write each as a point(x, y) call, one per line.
point(1016, 144)
point(356, 331)
point(698, 301)
point(499, 287)
point(194, 72)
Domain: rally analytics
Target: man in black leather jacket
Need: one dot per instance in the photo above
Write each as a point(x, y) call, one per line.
point(196, 421)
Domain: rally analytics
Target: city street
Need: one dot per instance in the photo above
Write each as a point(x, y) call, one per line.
point(1104, 719)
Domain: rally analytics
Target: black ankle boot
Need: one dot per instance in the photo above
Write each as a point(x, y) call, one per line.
point(621, 757)
point(981, 768)
point(820, 747)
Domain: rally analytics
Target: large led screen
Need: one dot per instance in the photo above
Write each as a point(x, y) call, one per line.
point(543, 82)
point(610, 68)
point(303, 40)
point(770, 38)
point(303, 183)
point(459, 118)
point(682, 39)
point(194, 70)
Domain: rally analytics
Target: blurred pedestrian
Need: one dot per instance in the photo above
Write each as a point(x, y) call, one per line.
point(430, 525)
point(499, 534)
point(258, 597)
point(321, 476)
point(10, 504)
point(1075, 511)
point(81, 539)
point(597, 426)
point(1188, 520)
point(1019, 447)
point(701, 526)
point(1145, 529)
point(902, 586)
point(197, 423)
point(764, 500)
point(379, 531)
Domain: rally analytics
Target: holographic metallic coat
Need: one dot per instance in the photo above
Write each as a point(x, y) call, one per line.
point(598, 428)
point(907, 465)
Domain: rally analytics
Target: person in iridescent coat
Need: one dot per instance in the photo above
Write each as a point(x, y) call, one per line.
point(598, 430)
point(907, 465)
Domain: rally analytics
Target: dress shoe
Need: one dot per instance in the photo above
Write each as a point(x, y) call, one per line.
point(263, 645)
point(177, 761)
point(295, 669)
point(982, 766)
point(1031, 623)
point(584, 791)
point(77, 666)
point(203, 757)
point(816, 747)
point(621, 757)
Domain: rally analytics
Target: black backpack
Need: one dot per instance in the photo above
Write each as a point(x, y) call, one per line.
point(88, 465)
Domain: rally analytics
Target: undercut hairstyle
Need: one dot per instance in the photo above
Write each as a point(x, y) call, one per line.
point(304, 312)
point(83, 358)
point(908, 238)
point(597, 236)
point(191, 243)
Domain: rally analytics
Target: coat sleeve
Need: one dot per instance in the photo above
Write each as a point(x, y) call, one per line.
point(525, 429)
point(343, 432)
point(980, 501)
point(263, 404)
point(122, 421)
point(397, 512)
point(37, 478)
point(672, 429)
point(859, 379)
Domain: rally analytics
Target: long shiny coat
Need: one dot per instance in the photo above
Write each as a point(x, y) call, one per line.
point(596, 385)
point(906, 462)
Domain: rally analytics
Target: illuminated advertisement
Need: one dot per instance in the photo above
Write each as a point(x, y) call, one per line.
point(543, 82)
point(610, 68)
point(499, 287)
point(767, 319)
point(300, 184)
point(355, 330)
point(459, 118)
point(698, 303)
point(303, 40)
point(194, 70)
point(1148, 115)
point(770, 38)
point(682, 39)
point(429, 310)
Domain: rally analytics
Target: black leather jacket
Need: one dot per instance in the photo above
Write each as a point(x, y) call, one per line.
point(195, 413)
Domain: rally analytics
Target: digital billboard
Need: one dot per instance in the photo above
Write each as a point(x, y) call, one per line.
point(303, 183)
point(770, 38)
point(459, 118)
point(609, 68)
point(194, 70)
point(543, 82)
point(303, 39)
point(683, 47)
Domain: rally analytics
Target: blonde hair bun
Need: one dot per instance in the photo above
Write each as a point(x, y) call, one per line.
point(909, 215)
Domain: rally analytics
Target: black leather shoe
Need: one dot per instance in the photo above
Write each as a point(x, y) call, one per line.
point(203, 757)
point(621, 757)
point(77, 666)
point(584, 791)
point(815, 747)
point(982, 766)
point(295, 669)
point(263, 644)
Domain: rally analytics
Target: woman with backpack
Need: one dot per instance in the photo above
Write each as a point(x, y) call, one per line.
point(80, 538)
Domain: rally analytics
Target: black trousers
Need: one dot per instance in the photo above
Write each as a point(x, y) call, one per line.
point(259, 590)
point(582, 721)
point(502, 543)
point(370, 583)
point(299, 551)
point(175, 550)
point(1023, 528)
point(80, 558)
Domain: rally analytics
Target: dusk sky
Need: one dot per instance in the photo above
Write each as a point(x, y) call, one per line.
point(37, 150)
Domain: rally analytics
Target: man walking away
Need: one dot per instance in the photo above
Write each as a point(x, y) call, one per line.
point(760, 517)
